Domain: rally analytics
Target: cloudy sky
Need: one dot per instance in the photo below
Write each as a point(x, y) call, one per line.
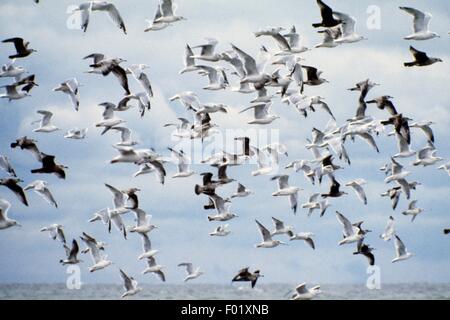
point(422, 94)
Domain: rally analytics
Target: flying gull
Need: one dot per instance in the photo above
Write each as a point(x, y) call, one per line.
point(191, 273)
point(21, 46)
point(244, 275)
point(41, 188)
point(6, 222)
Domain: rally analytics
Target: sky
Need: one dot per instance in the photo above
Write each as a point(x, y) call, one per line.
point(29, 256)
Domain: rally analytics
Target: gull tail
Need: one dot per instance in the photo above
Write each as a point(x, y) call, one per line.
point(409, 64)
point(317, 25)
point(198, 189)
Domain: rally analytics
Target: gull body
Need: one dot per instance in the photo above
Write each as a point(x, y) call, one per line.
point(6, 222)
point(267, 241)
point(303, 293)
point(400, 250)
point(191, 272)
point(421, 22)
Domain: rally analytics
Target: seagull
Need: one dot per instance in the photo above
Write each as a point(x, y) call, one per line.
point(45, 125)
point(41, 188)
point(366, 251)
point(303, 293)
point(241, 192)
point(303, 165)
point(153, 166)
point(282, 43)
point(400, 250)
point(244, 275)
point(334, 190)
point(168, 9)
point(10, 70)
point(209, 186)
point(49, 166)
point(328, 19)
point(12, 94)
point(102, 6)
point(262, 114)
point(143, 222)
point(125, 137)
point(183, 162)
point(70, 87)
point(137, 70)
point(182, 129)
point(274, 150)
point(109, 119)
point(425, 127)
point(421, 59)
point(156, 25)
point(130, 285)
point(216, 76)
point(5, 164)
point(404, 149)
point(222, 175)
point(132, 197)
point(384, 102)
point(397, 172)
point(318, 100)
point(5, 222)
point(364, 87)
point(25, 143)
point(413, 210)
point(106, 66)
point(222, 207)
point(189, 61)
point(329, 37)
point(254, 71)
point(220, 231)
point(394, 195)
point(56, 232)
point(356, 185)
point(100, 261)
point(351, 232)
point(294, 41)
point(76, 134)
point(191, 273)
point(313, 76)
point(280, 228)
point(305, 236)
point(207, 51)
point(285, 190)
point(427, 157)
point(21, 46)
point(267, 241)
point(213, 108)
point(389, 231)
point(268, 31)
point(153, 267)
point(28, 83)
point(119, 209)
point(262, 161)
point(100, 245)
point(446, 168)
point(13, 185)
point(71, 254)
point(189, 99)
point(348, 24)
point(147, 251)
point(421, 24)
point(312, 204)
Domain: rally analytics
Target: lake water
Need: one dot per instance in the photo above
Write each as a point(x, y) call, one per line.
point(223, 292)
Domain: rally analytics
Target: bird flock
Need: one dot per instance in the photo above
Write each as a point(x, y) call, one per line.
point(271, 75)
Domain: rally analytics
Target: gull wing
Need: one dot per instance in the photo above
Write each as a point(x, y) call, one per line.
point(264, 232)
